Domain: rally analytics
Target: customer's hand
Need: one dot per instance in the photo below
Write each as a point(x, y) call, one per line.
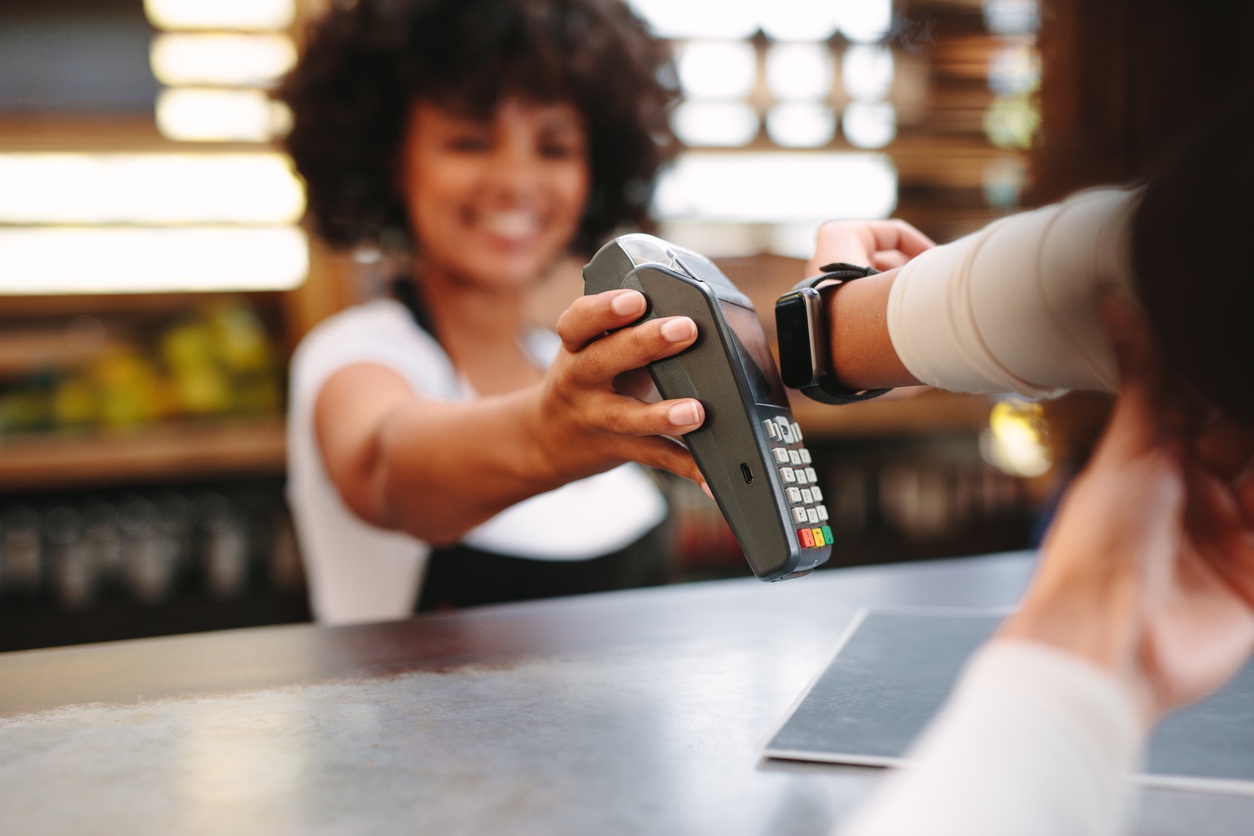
point(1149, 569)
point(879, 244)
point(588, 414)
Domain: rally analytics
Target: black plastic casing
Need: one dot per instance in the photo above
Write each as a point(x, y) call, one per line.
point(802, 344)
point(733, 439)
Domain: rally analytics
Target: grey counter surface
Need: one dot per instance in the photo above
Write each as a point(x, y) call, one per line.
point(631, 712)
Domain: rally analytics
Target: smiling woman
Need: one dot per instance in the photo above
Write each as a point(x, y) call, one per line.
point(497, 197)
point(435, 441)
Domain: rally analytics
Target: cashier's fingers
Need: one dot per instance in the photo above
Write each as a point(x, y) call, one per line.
point(632, 348)
point(627, 416)
point(663, 454)
point(589, 317)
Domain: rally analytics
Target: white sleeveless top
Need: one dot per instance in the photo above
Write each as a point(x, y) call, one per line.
point(358, 572)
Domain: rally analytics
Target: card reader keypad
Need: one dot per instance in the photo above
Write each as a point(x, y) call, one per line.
point(805, 499)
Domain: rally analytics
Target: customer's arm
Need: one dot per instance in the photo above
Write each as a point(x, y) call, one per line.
point(1011, 308)
point(1143, 601)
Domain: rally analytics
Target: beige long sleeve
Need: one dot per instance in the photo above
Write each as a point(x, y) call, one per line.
point(1015, 307)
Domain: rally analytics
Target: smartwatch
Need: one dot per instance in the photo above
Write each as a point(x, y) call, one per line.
point(802, 330)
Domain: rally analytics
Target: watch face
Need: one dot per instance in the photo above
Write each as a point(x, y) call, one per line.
point(795, 321)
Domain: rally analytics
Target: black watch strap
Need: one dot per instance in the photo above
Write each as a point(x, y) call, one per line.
point(827, 390)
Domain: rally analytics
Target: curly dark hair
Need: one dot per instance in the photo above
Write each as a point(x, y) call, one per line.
point(364, 65)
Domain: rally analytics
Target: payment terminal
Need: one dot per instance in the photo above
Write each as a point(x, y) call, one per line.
point(749, 449)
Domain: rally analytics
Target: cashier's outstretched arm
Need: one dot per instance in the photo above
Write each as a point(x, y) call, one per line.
point(436, 469)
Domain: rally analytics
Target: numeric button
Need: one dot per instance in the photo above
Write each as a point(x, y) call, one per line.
point(781, 455)
point(794, 495)
point(787, 474)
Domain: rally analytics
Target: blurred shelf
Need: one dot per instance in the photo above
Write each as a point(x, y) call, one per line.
point(931, 412)
point(69, 304)
point(31, 350)
point(101, 134)
point(200, 450)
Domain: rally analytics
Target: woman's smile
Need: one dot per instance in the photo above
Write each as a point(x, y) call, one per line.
point(513, 227)
point(494, 200)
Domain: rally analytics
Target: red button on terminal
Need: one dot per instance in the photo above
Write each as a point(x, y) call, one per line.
point(807, 539)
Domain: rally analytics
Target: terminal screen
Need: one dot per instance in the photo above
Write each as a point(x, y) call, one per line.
point(755, 356)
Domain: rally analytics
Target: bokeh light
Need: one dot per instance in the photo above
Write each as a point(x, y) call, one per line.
point(799, 20)
point(208, 115)
point(719, 124)
point(717, 69)
point(865, 21)
point(1013, 442)
point(247, 15)
point(1011, 121)
point(869, 124)
point(1012, 17)
point(146, 260)
point(221, 59)
point(799, 71)
point(1014, 68)
point(1004, 180)
point(55, 188)
point(801, 125)
point(709, 19)
point(867, 72)
point(776, 187)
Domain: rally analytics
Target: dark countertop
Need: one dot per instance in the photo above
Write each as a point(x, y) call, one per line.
point(628, 712)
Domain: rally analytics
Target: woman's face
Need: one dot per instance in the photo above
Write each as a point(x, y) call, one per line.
point(495, 201)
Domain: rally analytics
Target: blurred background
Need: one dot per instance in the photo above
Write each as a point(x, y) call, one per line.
point(156, 272)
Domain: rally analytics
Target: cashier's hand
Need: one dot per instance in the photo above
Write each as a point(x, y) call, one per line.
point(591, 412)
point(879, 244)
point(1149, 570)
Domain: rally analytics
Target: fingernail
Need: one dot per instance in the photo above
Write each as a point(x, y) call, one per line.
point(684, 414)
point(679, 329)
point(705, 486)
point(627, 303)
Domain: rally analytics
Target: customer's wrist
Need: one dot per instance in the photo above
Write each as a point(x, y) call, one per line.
point(861, 350)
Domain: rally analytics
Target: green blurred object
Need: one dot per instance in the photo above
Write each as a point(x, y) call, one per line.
point(75, 402)
point(241, 340)
point(130, 387)
point(25, 410)
point(220, 362)
point(258, 394)
point(200, 385)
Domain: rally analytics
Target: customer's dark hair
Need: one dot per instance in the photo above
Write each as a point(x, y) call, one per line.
point(366, 64)
point(1193, 251)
